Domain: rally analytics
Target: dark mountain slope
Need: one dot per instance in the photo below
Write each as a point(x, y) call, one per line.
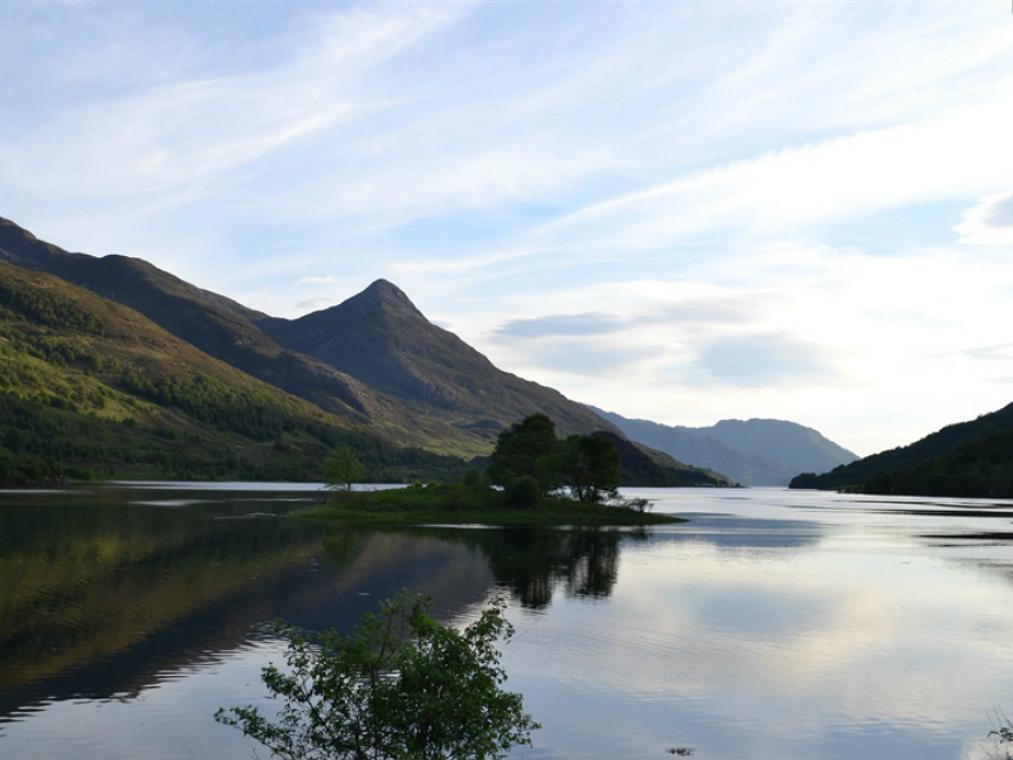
point(88, 384)
point(381, 339)
point(973, 458)
point(753, 452)
point(642, 466)
point(693, 445)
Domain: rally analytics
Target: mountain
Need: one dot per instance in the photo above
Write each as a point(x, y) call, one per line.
point(642, 466)
point(381, 339)
point(970, 459)
point(372, 371)
point(788, 443)
point(215, 324)
point(374, 360)
point(752, 452)
point(92, 387)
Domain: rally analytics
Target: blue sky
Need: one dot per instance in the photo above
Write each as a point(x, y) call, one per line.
point(679, 211)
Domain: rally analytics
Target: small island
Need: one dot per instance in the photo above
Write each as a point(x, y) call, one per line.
point(533, 479)
point(461, 504)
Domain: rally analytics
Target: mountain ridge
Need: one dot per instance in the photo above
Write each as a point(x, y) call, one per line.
point(422, 363)
point(739, 449)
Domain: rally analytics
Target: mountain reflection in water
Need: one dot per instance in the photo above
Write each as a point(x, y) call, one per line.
point(103, 597)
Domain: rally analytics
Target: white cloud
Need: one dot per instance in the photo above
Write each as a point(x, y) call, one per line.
point(164, 144)
point(988, 223)
point(790, 190)
point(322, 279)
point(894, 331)
point(315, 303)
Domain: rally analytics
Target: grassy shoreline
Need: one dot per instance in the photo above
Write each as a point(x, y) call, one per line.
point(461, 505)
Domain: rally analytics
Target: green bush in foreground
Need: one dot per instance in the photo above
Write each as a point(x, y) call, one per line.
point(401, 686)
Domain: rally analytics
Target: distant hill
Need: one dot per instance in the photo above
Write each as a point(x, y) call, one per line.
point(89, 387)
point(971, 459)
point(642, 466)
point(751, 452)
point(374, 360)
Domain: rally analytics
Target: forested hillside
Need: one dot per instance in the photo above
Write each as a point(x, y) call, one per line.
point(92, 388)
point(972, 459)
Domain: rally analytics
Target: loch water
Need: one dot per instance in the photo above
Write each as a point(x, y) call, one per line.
point(772, 624)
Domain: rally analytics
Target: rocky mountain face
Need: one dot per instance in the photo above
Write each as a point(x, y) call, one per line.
point(382, 340)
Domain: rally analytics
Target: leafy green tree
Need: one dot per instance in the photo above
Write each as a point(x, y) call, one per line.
point(591, 467)
point(8, 469)
point(530, 451)
point(528, 448)
point(342, 469)
point(524, 492)
point(474, 479)
point(402, 686)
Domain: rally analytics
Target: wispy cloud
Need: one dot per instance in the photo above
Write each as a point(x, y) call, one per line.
point(989, 222)
point(321, 279)
point(764, 360)
point(562, 324)
point(788, 192)
point(999, 352)
point(717, 310)
point(315, 303)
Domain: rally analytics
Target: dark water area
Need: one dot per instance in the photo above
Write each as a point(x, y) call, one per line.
point(773, 624)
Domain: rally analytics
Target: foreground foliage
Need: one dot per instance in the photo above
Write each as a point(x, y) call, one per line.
point(401, 686)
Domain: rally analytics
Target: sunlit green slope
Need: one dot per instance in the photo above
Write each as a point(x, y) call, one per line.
point(88, 386)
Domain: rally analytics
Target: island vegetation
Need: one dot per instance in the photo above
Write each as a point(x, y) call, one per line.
point(534, 478)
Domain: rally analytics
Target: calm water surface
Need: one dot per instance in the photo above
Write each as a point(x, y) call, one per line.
point(774, 624)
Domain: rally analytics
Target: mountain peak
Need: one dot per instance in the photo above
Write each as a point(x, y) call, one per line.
point(384, 294)
point(385, 289)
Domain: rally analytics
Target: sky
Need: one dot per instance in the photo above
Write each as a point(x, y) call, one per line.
point(677, 211)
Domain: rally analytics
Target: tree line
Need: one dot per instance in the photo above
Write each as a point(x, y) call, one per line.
point(529, 463)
